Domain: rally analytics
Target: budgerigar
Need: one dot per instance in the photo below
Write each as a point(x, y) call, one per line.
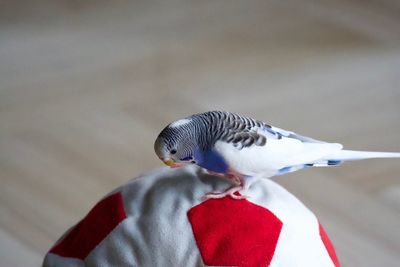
point(244, 149)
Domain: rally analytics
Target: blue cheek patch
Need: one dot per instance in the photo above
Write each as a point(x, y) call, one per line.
point(186, 159)
point(212, 161)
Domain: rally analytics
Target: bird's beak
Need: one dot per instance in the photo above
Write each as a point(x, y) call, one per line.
point(169, 162)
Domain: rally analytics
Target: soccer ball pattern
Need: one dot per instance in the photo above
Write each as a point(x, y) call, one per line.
point(159, 219)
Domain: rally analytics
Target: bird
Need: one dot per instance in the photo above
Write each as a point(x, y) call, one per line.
point(244, 150)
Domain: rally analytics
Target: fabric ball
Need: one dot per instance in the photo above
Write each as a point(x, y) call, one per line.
point(159, 219)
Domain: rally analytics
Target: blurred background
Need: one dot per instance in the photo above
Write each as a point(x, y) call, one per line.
point(86, 86)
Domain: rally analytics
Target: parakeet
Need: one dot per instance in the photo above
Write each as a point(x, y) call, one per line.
point(243, 149)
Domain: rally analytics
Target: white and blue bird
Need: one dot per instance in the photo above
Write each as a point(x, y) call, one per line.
point(243, 149)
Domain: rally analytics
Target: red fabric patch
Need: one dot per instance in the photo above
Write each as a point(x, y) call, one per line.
point(232, 232)
point(90, 231)
point(328, 245)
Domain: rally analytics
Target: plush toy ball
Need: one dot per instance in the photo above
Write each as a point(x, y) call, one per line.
point(159, 219)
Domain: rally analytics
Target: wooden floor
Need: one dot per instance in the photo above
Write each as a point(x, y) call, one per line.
point(85, 89)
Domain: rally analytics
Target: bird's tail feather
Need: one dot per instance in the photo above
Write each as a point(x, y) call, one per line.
point(343, 155)
point(338, 158)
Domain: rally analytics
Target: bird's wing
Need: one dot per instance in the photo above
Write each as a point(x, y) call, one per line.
point(244, 132)
point(279, 133)
point(293, 149)
point(247, 135)
point(254, 145)
point(245, 138)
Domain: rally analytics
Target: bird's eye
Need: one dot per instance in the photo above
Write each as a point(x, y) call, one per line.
point(173, 151)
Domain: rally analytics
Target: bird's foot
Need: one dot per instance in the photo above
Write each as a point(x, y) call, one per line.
point(229, 192)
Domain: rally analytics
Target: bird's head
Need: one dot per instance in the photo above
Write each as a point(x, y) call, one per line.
point(176, 145)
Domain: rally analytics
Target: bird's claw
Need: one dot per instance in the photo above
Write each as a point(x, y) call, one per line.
point(229, 192)
point(238, 196)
